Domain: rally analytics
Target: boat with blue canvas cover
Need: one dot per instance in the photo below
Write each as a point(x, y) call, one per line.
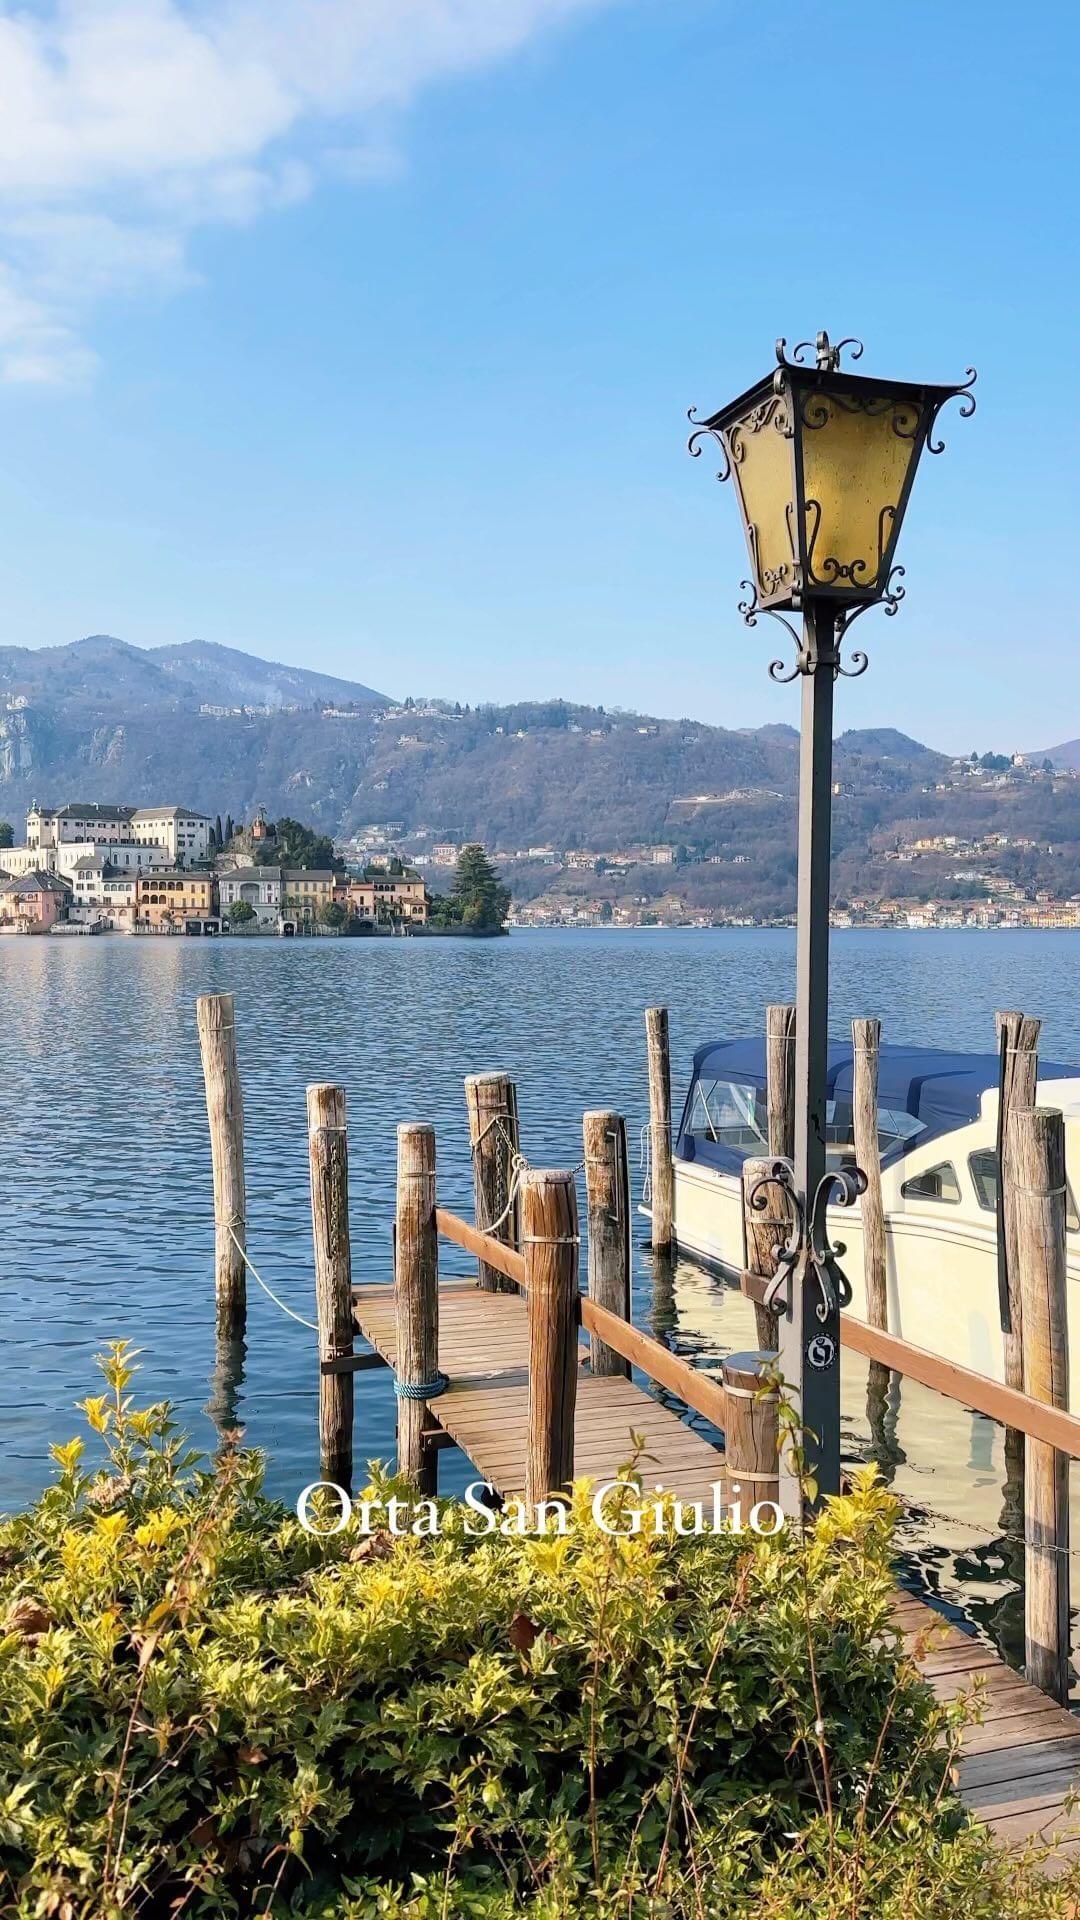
point(937, 1134)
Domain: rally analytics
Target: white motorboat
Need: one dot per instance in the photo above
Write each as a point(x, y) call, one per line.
point(937, 1133)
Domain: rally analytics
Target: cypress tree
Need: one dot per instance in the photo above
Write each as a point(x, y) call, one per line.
point(480, 897)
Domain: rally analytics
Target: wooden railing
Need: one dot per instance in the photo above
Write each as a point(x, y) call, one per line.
point(1019, 1411)
point(638, 1349)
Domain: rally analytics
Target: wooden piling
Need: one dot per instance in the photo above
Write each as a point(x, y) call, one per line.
point(1037, 1180)
point(416, 1301)
point(1018, 1038)
point(216, 1017)
point(767, 1228)
point(866, 1046)
point(550, 1245)
point(329, 1164)
point(607, 1188)
point(491, 1101)
point(752, 1432)
point(662, 1182)
point(780, 1079)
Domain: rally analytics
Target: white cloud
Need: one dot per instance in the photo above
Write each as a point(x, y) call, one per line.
point(124, 124)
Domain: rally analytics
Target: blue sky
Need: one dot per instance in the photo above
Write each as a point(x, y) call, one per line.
point(360, 333)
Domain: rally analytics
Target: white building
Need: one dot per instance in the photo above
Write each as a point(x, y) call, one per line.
point(186, 835)
point(183, 836)
point(258, 887)
point(68, 855)
point(80, 820)
point(101, 892)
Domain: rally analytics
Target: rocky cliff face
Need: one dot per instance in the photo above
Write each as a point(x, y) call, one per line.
point(16, 747)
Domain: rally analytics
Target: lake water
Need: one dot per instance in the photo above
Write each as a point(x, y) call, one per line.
point(106, 1218)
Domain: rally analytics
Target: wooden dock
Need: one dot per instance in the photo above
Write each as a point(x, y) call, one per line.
point(526, 1411)
point(484, 1349)
point(1021, 1759)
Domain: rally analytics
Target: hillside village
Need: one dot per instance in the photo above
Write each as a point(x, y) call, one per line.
point(97, 866)
point(594, 816)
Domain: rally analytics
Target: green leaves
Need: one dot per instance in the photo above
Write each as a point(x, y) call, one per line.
point(203, 1708)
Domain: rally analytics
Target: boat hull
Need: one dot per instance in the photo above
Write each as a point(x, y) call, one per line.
point(941, 1272)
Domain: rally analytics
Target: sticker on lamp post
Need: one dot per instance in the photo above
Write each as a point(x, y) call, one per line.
point(821, 1352)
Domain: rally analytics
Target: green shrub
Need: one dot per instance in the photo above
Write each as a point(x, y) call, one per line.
point(205, 1710)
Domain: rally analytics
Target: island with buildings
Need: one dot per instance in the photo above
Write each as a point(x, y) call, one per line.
point(168, 870)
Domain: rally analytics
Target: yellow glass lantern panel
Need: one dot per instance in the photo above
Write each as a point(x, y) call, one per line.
point(760, 448)
point(856, 457)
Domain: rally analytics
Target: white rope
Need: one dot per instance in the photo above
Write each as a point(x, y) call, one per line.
point(310, 1324)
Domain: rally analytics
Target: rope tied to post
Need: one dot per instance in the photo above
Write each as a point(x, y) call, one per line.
point(421, 1389)
point(259, 1281)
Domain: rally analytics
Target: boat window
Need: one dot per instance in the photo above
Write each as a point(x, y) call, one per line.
point(937, 1183)
point(984, 1175)
point(895, 1127)
point(731, 1115)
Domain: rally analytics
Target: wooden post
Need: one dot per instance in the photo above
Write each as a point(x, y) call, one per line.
point(1037, 1177)
point(491, 1100)
point(866, 1044)
point(662, 1184)
point(216, 1016)
point(1018, 1038)
point(767, 1227)
point(607, 1188)
point(328, 1157)
point(752, 1434)
point(780, 1079)
point(416, 1301)
point(550, 1245)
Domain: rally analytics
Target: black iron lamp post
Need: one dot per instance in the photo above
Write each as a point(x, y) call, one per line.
point(823, 462)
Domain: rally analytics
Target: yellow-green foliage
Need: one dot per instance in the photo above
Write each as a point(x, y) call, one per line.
point(205, 1711)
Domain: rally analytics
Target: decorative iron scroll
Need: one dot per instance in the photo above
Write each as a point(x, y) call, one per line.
point(702, 432)
point(827, 356)
point(808, 1246)
point(967, 408)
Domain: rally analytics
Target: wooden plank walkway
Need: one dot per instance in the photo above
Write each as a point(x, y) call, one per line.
point(484, 1349)
point(1018, 1764)
point(1022, 1758)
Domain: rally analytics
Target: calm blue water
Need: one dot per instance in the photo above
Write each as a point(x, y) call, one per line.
point(106, 1225)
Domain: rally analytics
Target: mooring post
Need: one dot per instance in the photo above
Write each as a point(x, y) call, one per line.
point(491, 1100)
point(1018, 1039)
point(780, 1079)
point(416, 1303)
point(1036, 1164)
point(752, 1433)
point(866, 1047)
point(549, 1224)
point(607, 1189)
point(767, 1227)
point(216, 1017)
point(328, 1158)
point(662, 1182)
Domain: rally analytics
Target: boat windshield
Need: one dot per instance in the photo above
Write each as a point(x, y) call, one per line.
point(732, 1116)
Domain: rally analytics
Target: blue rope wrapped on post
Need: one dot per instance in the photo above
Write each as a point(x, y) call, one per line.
point(421, 1389)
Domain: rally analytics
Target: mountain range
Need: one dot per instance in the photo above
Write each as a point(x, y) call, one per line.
point(224, 731)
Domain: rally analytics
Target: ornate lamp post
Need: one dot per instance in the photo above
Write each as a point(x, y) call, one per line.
point(823, 462)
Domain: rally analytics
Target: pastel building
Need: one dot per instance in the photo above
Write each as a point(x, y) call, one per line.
point(304, 890)
point(33, 902)
point(178, 899)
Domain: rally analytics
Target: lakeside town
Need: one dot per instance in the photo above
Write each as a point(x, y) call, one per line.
point(88, 868)
point(93, 867)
